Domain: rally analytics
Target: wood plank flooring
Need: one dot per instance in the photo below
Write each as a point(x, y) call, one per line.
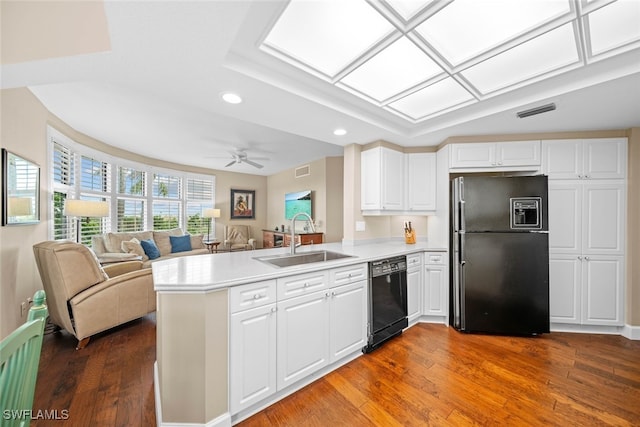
point(431, 375)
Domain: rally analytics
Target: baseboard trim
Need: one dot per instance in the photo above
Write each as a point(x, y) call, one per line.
point(631, 332)
point(627, 331)
point(223, 420)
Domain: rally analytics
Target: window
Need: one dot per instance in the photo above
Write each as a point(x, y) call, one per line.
point(141, 197)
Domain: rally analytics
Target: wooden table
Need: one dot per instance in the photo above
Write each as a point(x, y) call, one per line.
point(211, 245)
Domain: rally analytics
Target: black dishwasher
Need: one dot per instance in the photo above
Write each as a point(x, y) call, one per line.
point(387, 300)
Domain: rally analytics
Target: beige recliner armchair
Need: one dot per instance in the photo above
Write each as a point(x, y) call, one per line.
point(85, 298)
point(238, 238)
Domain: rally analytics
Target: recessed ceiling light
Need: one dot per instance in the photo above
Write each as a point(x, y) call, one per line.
point(231, 98)
point(339, 132)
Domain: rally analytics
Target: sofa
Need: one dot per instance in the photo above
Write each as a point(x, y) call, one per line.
point(83, 297)
point(169, 244)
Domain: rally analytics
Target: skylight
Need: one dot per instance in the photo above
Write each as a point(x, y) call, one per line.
point(422, 58)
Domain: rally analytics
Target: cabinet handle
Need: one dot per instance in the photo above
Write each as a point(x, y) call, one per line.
point(587, 176)
point(327, 295)
point(500, 163)
point(274, 309)
point(579, 257)
point(256, 296)
point(349, 275)
point(586, 258)
point(306, 285)
point(580, 176)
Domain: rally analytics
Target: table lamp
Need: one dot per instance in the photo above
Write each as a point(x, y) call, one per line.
point(85, 209)
point(210, 213)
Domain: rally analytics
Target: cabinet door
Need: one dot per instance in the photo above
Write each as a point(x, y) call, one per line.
point(562, 159)
point(303, 337)
point(370, 177)
point(518, 153)
point(604, 218)
point(603, 291)
point(565, 216)
point(565, 288)
point(392, 183)
point(252, 356)
point(605, 158)
point(414, 294)
point(473, 155)
point(421, 181)
point(435, 291)
point(267, 239)
point(348, 319)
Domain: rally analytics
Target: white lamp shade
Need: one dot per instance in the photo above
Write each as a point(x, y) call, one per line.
point(20, 206)
point(211, 213)
point(86, 208)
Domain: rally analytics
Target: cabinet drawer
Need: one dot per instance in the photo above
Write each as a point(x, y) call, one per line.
point(349, 274)
point(414, 260)
point(302, 284)
point(435, 257)
point(252, 295)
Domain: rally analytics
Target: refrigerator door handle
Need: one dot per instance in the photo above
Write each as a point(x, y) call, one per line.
point(462, 258)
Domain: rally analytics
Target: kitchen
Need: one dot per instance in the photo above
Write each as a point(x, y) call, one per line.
point(181, 284)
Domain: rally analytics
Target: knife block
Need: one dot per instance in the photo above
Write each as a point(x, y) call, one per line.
point(410, 237)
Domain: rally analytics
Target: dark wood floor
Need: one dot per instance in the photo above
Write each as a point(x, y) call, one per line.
point(431, 375)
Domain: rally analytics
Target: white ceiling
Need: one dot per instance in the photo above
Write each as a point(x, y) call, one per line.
point(157, 92)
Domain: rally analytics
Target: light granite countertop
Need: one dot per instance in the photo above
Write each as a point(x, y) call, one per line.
point(202, 273)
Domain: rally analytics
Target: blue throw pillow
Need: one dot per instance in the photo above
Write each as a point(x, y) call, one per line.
point(180, 243)
point(150, 248)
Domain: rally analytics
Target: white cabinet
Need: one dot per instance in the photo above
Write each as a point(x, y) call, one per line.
point(252, 345)
point(436, 286)
point(602, 158)
point(421, 181)
point(586, 289)
point(303, 337)
point(382, 179)
point(587, 215)
point(393, 182)
point(509, 155)
point(348, 319)
point(414, 287)
point(321, 327)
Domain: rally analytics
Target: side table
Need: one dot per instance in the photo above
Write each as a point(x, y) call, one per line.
point(211, 245)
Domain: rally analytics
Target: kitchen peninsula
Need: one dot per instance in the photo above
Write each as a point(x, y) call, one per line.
point(205, 349)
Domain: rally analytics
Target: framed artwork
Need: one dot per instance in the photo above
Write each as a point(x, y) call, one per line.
point(243, 204)
point(20, 190)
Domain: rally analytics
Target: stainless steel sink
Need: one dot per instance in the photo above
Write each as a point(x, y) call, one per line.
point(301, 258)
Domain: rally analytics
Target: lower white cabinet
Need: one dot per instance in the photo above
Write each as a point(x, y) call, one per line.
point(252, 344)
point(348, 319)
point(586, 289)
point(414, 287)
point(303, 336)
point(436, 285)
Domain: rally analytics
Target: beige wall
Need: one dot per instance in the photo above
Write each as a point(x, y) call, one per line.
point(24, 131)
point(325, 182)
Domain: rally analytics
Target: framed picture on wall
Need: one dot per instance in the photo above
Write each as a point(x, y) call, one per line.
point(243, 204)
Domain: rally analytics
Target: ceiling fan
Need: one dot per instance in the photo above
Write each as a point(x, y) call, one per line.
point(240, 156)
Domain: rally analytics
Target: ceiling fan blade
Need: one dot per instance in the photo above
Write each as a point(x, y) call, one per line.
point(254, 164)
point(230, 163)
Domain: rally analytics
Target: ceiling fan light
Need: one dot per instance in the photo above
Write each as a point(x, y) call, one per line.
point(231, 98)
point(537, 110)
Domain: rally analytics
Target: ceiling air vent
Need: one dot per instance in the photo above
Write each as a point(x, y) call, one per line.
point(303, 171)
point(536, 110)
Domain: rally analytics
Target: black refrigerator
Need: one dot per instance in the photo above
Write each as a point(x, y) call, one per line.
point(500, 255)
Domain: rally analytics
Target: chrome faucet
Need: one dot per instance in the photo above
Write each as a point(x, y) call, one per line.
point(293, 243)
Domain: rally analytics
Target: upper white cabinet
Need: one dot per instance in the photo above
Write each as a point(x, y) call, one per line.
point(509, 155)
point(602, 158)
point(421, 181)
point(382, 179)
point(393, 182)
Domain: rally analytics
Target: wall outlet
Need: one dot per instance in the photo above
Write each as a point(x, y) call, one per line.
point(360, 226)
